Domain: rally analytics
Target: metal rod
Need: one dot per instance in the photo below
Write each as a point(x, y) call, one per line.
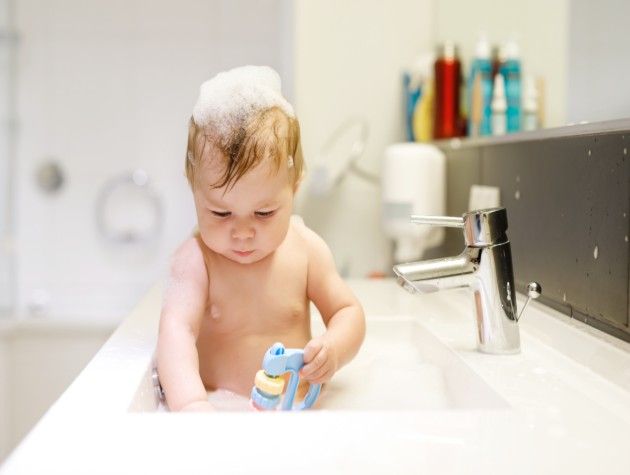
point(444, 221)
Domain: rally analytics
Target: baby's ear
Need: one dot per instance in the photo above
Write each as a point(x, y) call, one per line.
point(298, 183)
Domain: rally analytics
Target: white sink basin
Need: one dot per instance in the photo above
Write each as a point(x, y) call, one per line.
point(403, 367)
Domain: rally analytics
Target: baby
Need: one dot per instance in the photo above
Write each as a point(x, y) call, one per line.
point(246, 279)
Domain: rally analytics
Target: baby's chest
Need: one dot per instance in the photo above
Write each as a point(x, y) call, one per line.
point(271, 302)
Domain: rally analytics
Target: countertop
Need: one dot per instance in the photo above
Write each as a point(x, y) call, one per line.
point(567, 394)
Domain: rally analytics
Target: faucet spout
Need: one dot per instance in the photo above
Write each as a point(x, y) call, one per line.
point(437, 274)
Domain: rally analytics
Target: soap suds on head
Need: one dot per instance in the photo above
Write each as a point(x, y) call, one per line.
point(239, 120)
point(228, 99)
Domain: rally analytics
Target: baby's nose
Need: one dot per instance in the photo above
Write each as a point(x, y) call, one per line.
point(243, 231)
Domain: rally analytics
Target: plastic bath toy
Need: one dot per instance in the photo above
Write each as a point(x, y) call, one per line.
point(268, 384)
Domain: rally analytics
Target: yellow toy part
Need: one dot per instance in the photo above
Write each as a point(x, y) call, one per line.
point(269, 384)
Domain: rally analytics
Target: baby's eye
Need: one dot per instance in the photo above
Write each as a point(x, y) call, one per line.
point(221, 214)
point(265, 214)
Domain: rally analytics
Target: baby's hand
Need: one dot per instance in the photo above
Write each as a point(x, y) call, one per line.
point(198, 406)
point(321, 361)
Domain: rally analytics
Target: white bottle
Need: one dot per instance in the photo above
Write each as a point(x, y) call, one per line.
point(499, 106)
point(530, 105)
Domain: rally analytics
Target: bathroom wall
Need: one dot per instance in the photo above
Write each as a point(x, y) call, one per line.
point(6, 115)
point(104, 88)
point(49, 358)
point(38, 361)
point(598, 61)
point(348, 61)
point(5, 434)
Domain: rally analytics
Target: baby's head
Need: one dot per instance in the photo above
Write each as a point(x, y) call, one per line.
point(243, 162)
point(239, 120)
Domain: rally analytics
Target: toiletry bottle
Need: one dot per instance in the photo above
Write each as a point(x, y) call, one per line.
point(482, 67)
point(540, 102)
point(447, 75)
point(420, 74)
point(497, 60)
point(412, 94)
point(530, 104)
point(499, 106)
point(424, 113)
point(511, 71)
point(476, 108)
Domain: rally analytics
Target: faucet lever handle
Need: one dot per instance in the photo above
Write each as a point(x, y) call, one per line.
point(533, 292)
point(444, 221)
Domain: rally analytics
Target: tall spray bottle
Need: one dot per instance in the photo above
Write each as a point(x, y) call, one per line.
point(499, 106)
point(481, 74)
point(510, 69)
point(447, 74)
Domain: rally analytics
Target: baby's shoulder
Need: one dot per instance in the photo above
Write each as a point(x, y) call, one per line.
point(188, 258)
point(309, 240)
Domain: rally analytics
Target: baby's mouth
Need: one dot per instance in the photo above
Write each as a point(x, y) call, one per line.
point(243, 253)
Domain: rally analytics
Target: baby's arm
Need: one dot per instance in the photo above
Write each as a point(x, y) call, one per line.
point(182, 311)
point(341, 311)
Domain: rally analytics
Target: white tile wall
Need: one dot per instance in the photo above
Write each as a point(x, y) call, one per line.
point(106, 87)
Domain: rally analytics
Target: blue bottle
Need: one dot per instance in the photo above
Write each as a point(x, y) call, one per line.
point(511, 71)
point(412, 91)
point(481, 65)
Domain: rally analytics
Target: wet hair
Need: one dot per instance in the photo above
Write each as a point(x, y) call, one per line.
point(266, 134)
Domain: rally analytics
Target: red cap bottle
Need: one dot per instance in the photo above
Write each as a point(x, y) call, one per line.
point(447, 122)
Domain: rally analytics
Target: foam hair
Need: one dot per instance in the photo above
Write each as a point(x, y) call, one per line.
point(227, 100)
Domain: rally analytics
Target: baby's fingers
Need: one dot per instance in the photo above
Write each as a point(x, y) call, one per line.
point(315, 364)
point(321, 375)
point(311, 349)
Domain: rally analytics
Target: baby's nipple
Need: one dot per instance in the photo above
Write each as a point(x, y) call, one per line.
point(214, 312)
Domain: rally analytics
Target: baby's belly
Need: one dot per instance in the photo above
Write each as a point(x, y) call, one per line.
point(231, 361)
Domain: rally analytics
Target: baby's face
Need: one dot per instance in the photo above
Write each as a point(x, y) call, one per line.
point(249, 221)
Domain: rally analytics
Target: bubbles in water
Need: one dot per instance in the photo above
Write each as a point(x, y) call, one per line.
point(225, 400)
point(517, 195)
point(589, 152)
point(596, 252)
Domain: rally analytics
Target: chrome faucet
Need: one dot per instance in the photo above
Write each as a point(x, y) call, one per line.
point(485, 266)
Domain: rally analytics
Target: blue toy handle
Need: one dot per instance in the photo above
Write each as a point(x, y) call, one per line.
point(279, 360)
point(289, 396)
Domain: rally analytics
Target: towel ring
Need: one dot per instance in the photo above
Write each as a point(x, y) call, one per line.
point(128, 209)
